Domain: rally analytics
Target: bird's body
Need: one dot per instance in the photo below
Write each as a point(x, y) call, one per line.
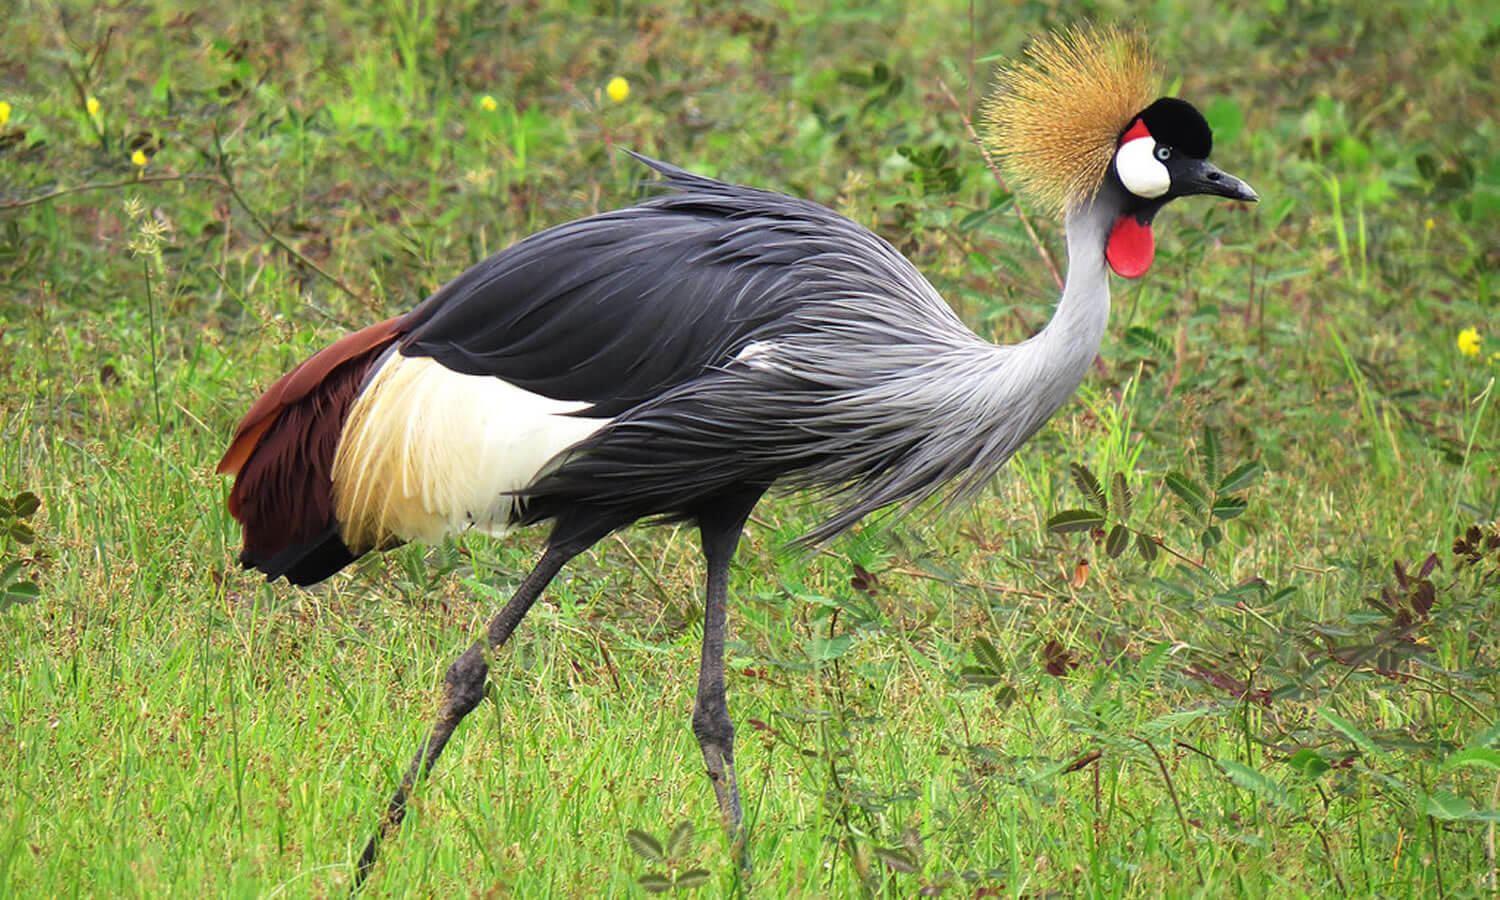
point(676, 359)
point(764, 339)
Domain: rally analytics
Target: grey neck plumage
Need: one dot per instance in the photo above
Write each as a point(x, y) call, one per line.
point(1067, 346)
point(975, 402)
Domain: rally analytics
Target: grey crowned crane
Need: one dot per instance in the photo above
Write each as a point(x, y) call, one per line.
point(675, 360)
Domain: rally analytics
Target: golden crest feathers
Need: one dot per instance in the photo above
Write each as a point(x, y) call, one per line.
point(1055, 116)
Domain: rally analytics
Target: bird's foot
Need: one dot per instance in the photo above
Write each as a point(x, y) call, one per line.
point(727, 791)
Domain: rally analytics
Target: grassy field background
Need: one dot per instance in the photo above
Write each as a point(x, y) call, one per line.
point(1263, 665)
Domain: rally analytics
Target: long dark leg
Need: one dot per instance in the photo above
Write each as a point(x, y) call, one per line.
point(720, 529)
point(464, 688)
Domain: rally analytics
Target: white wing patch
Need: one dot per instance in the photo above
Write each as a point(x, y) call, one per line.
point(427, 451)
point(1139, 169)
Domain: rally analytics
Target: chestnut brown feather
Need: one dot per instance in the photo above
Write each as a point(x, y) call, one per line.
point(282, 459)
point(297, 384)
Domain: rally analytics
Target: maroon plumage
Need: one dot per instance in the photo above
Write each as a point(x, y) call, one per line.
point(282, 460)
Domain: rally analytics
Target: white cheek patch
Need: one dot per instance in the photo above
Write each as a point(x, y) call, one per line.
point(1139, 169)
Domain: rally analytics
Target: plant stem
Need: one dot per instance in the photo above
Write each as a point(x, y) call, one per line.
point(155, 357)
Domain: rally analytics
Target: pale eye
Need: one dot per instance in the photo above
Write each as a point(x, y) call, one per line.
point(1163, 153)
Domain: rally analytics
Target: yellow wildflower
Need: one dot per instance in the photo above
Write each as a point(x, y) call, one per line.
point(488, 104)
point(139, 158)
point(479, 177)
point(92, 105)
point(617, 89)
point(1429, 224)
point(1468, 342)
point(4, 113)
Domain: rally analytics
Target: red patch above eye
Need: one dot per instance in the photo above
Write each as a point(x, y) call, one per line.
point(1137, 130)
point(1131, 247)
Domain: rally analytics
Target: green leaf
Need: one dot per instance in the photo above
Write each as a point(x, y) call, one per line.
point(824, 649)
point(1144, 340)
point(22, 532)
point(1351, 731)
point(1443, 805)
point(25, 504)
point(646, 846)
point(17, 593)
point(1074, 520)
point(23, 591)
point(1174, 588)
point(897, 858)
point(1242, 476)
point(1188, 491)
point(1117, 542)
point(654, 883)
point(1119, 498)
point(1146, 547)
point(692, 878)
point(7, 510)
point(1483, 757)
point(1089, 485)
point(680, 841)
point(987, 655)
point(1208, 454)
point(1489, 737)
point(1211, 537)
point(980, 675)
point(1309, 762)
point(1352, 152)
point(1164, 723)
point(1257, 783)
point(1229, 507)
point(998, 202)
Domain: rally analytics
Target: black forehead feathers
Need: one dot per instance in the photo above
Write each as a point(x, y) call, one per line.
point(1178, 124)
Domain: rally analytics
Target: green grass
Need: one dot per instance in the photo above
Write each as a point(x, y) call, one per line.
point(1266, 708)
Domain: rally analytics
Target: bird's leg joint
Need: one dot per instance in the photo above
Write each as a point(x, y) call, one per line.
point(713, 727)
point(465, 682)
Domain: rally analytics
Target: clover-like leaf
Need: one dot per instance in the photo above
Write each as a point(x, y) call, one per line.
point(897, 858)
point(987, 655)
point(1089, 485)
point(654, 883)
point(1117, 542)
point(1208, 454)
point(25, 505)
point(1074, 520)
point(1188, 491)
point(646, 846)
point(1229, 507)
point(1240, 477)
point(680, 841)
point(1120, 498)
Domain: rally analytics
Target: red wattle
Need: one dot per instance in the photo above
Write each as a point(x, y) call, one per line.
point(1131, 247)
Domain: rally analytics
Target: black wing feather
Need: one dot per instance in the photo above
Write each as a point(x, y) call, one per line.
point(616, 308)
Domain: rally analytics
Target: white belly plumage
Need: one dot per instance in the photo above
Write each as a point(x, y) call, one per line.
point(427, 451)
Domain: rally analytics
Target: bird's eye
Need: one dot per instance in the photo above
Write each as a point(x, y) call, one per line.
point(1163, 153)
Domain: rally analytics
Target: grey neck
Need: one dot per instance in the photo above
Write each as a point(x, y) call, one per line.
point(1067, 346)
point(1078, 325)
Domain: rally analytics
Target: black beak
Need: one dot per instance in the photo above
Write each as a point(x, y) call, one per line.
point(1203, 177)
